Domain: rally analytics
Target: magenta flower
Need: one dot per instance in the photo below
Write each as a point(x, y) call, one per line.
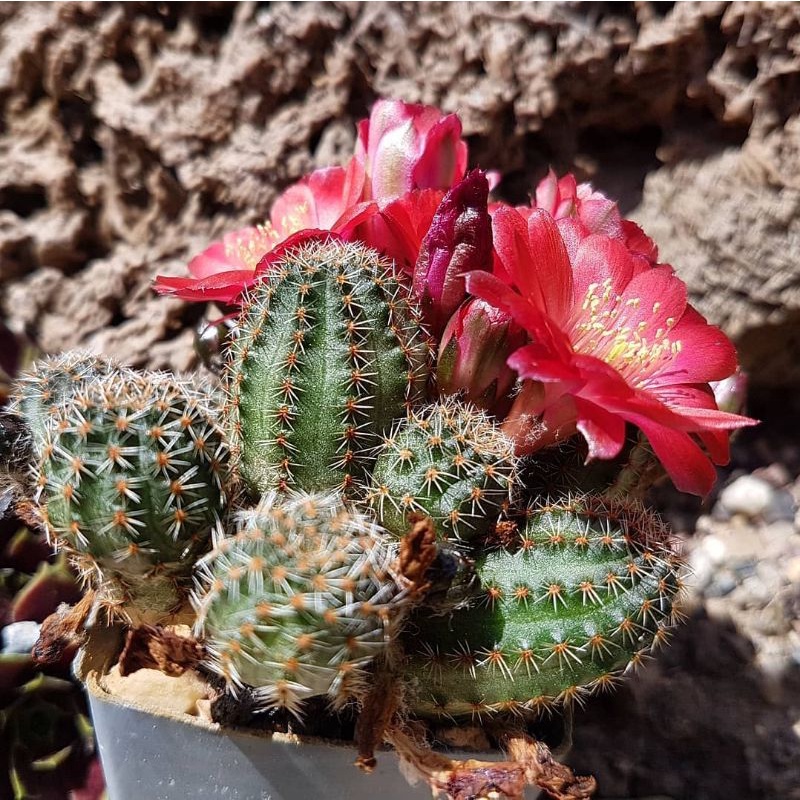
point(404, 146)
point(473, 353)
point(612, 341)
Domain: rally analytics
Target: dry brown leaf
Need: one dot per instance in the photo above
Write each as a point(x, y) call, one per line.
point(531, 764)
point(153, 647)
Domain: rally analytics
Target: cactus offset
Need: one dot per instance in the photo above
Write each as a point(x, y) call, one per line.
point(449, 462)
point(41, 393)
point(132, 480)
point(585, 595)
point(299, 600)
point(329, 352)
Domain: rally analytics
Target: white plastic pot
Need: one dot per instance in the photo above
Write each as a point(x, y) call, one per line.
point(148, 755)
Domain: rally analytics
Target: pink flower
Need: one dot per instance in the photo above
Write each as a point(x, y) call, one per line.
point(459, 241)
point(406, 157)
point(473, 352)
point(228, 285)
point(327, 199)
point(730, 394)
point(581, 211)
point(612, 341)
point(564, 198)
point(404, 146)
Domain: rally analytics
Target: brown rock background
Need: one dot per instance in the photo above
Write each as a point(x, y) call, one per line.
point(134, 133)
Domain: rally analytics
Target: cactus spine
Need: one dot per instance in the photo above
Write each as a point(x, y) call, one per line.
point(584, 595)
point(132, 479)
point(449, 462)
point(329, 351)
point(299, 600)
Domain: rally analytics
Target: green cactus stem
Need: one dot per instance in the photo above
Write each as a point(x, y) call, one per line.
point(132, 480)
point(300, 600)
point(329, 352)
point(583, 597)
point(449, 462)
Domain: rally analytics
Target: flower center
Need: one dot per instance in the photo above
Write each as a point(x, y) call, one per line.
point(614, 329)
point(252, 245)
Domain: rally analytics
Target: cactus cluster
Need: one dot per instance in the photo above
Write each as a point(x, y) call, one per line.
point(329, 422)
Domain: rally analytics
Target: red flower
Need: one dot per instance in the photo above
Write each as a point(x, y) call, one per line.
point(612, 341)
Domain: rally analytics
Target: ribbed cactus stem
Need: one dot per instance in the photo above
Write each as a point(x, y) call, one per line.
point(132, 480)
point(329, 352)
point(449, 462)
point(583, 595)
point(299, 600)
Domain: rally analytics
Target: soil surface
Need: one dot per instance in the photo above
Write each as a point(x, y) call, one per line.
point(133, 133)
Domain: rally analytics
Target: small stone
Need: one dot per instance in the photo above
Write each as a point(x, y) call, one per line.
point(776, 475)
point(772, 620)
point(747, 495)
point(19, 637)
point(781, 507)
point(723, 583)
point(792, 570)
point(709, 553)
point(752, 593)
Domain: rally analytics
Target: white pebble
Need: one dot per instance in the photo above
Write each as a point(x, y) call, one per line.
point(747, 495)
point(19, 637)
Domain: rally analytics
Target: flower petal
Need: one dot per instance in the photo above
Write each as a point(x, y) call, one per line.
point(223, 286)
point(604, 432)
point(295, 240)
point(706, 353)
point(687, 465)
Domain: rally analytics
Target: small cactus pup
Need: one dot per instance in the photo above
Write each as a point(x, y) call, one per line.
point(449, 462)
point(329, 352)
point(41, 393)
point(132, 481)
point(300, 600)
point(581, 596)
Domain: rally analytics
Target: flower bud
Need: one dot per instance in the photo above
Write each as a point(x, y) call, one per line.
point(459, 241)
point(472, 356)
point(731, 393)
